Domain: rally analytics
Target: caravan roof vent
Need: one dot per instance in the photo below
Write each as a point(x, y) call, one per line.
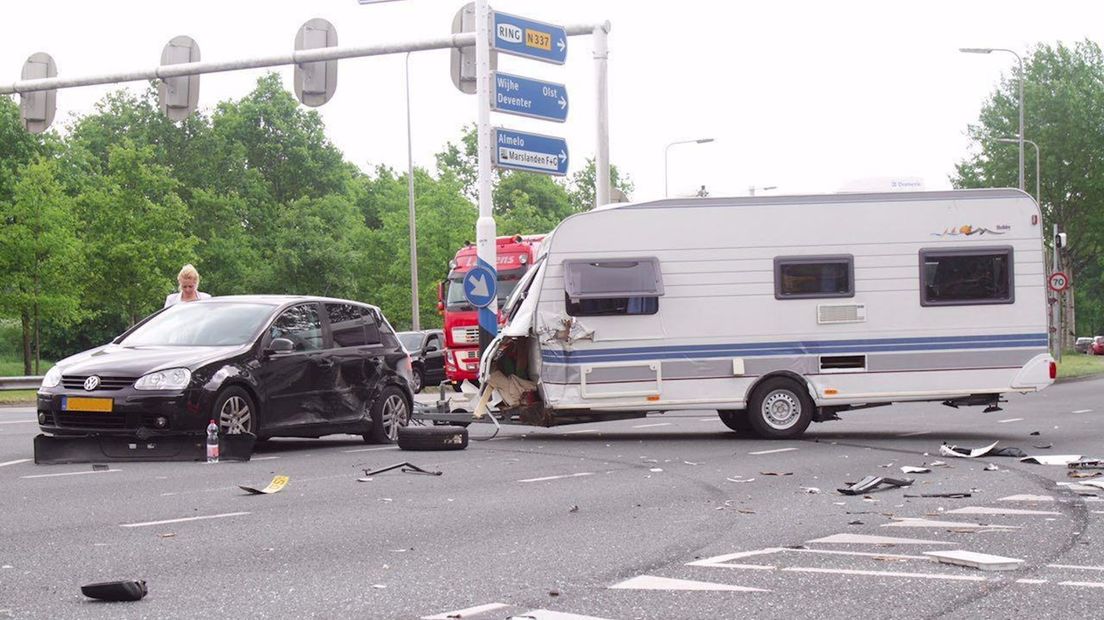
point(828, 314)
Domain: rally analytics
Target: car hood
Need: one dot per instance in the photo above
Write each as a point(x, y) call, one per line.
point(119, 360)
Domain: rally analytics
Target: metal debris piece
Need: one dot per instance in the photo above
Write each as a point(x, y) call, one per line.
point(855, 522)
point(872, 483)
point(99, 467)
point(406, 468)
point(1087, 464)
point(278, 483)
point(943, 495)
point(574, 508)
point(811, 490)
point(776, 473)
point(991, 467)
point(116, 590)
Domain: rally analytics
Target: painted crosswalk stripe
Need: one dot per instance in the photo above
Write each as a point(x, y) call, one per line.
point(167, 521)
point(584, 473)
point(650, 582)
point(466, 613)
point(652, 425)
point(776, 451)
point(15, 462)
point(1009, 420)
point(877, 573)
point(73, 473)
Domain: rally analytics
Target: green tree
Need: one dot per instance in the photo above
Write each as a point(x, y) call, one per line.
point(584, 185)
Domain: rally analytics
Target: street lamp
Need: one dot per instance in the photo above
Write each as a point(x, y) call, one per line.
point(1038, 196)
point(667, 150)
point(1020, 138)
point(752, 188)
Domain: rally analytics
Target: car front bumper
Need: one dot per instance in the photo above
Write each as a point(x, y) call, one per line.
point(131, 412)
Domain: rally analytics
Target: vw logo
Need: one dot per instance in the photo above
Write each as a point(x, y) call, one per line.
point(91, 383)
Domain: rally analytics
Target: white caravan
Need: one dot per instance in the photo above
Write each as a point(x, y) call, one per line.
point(776, 311)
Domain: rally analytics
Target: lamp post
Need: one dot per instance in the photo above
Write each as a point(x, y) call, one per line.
point(1020, 138)
point(752, 188)
point(1038, 196)
point(667, 151)
point(415, 318)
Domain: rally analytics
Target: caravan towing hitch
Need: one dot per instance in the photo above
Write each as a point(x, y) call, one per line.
point(991, 402)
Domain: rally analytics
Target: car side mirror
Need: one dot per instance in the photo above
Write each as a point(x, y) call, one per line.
point(280, 345)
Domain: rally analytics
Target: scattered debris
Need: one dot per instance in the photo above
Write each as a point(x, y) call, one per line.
point(872, 483)
point(912, 469)
point(277, 485)
point(811, 490)
point(379, 586)
point(980, 561)
point(574, 508)
point(99, 467)
point(855, 522)
point(886, 466)
point(656, 469)
point(739, 479)
point(553, 593)
point(1087, 464)
point(888, 558)
point(1034, 433)
point(776, 473)
point(745, 511)
point(991, 467)
point(1056, 459)
point(1009, 451)
point(1082, 474)
point(943, 495)
point(406, 468)
point(116, 590)
point(168, 535)
point(939, 464)
point(1098, 484)
point(690, 463)
point(966, 453)
point(1042, 446)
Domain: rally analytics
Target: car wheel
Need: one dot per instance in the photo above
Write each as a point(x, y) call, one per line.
point(737, 420)
point(432, 438)
point(390, 412)
point(235, 411)
point(419, 379)
point(780, 408)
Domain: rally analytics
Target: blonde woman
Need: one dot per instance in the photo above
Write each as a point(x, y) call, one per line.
point(188, 279)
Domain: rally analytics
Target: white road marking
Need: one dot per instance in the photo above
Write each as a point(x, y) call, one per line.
point(372, 449)
point(1031, 581)
point(863, 554)
point(650, 582)
point(589, 430)
point(1083, 411)
point(720, 560)
point(1074, 567)
point(914, 433)
point(15, 462)
point(1082, 584)
point(464, 613)
point(167, 521)
point(17, 422)
point(1009, 420)
point(263, 458)
point(915, 522)
point(878, 573)
point(585, 473)
point(709, 420)
point(775, 451)
point(861, 539)
point(985, 510)
point(1027, 498)
point(652, 425)
point(544, 614)
point(74, 473)
point(1098, 512)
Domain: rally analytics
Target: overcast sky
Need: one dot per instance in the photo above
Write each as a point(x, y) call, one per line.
point(807, 96)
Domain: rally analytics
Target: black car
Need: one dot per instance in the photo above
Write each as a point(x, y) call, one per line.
point(427, 353)
point(267, 365)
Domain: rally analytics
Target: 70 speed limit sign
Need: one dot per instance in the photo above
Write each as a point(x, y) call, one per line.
point(1058, 281)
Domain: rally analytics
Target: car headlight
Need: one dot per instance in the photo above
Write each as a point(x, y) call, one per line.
point(52, 378)
point(170, 379)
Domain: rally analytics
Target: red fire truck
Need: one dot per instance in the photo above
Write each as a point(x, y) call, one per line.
point(461, 319)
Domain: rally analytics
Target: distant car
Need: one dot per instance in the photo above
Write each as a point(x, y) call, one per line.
point(263, 364)
point(1098, 345)
point(1083, 344)
point(427, 356)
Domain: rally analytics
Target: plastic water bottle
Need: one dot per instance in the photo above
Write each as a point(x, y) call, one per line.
point(212, 442)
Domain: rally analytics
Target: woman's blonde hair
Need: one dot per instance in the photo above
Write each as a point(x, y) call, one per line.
point(188, 272)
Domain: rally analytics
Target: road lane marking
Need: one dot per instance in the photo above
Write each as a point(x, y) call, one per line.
point(465, 613)
point(167, 521)
point(914, 433)
point(776, 451)
point(921, 522)
point(1009, 420)
point(15, 462)
point(1031, 581)
point(708, 419)
point(1083, 411)
point(585, 473)
point(18, 422)
point(263, 458)
point(1082, 584)
point(372, 449)
point(1027, 498)
point(985, 510)
point(652, 425)
point(589, 430)
point(863, 554)
point(74, 473)
point(878, 573)
point(650, 582)
point(1074, 567)
point(861, 539)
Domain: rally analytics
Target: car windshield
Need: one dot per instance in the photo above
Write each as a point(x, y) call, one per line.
point(202, 324)
point(411, 341)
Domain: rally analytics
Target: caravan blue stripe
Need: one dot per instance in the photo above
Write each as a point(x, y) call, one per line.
point(797, 348)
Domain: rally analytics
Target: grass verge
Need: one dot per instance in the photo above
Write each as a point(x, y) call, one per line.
point(1079, 365)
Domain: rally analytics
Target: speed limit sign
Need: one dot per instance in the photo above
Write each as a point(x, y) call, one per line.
point(1058, 281)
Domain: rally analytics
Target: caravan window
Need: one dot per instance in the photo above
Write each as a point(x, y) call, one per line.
point(804, 277)
point(966, 277)
point(612, 287)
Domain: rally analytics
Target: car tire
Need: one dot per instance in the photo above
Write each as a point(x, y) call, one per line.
point(780, 408)
point(390, 412)
point(426, 438)
point(235, 411)
point(737, 420)
point(418, 379)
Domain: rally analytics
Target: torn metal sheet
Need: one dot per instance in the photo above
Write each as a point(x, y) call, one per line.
point(561, 328)
point(873, 483)
point(1087, 464)
point(951, 495)
point(278, 483)
point(1054, 459)
point(912, 469)
point(966, 453)
point(980, 561)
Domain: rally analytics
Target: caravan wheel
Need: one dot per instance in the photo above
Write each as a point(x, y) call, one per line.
point(780, 408)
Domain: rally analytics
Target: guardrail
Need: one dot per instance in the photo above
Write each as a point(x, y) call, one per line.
point(19, 383)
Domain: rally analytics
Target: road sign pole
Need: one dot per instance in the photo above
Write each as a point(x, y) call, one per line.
point(602, 165)
point(485, 227)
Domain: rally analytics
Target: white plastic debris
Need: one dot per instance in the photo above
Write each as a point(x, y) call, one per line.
point(912, 469)
point(972, 453)
point(980, 561)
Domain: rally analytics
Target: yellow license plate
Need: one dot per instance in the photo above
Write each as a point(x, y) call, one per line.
point(77, 403)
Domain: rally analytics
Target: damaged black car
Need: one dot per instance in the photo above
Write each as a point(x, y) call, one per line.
point(272, 366)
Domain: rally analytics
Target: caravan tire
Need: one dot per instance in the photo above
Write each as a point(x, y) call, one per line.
point(780, 408)
point(737, 420)
point(424, 438)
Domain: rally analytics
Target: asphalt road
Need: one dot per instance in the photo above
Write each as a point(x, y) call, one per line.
point(671, 516)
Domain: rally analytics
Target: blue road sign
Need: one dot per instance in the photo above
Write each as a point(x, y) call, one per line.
point(480, 286)
point(531, 152)
point(528, 97)
point(532, 39)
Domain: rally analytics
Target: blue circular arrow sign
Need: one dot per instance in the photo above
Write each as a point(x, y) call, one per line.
point(480, 287)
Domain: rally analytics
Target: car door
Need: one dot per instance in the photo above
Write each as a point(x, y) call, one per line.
point(296, 382)
point(434, 359)
point(353, 359)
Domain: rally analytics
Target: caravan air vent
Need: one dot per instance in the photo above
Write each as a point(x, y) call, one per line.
point(842, 362)
point(841, 313)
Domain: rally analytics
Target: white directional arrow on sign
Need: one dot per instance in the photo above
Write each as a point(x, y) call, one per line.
point(479, 286)
point(563, 155)
point(560, 44)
